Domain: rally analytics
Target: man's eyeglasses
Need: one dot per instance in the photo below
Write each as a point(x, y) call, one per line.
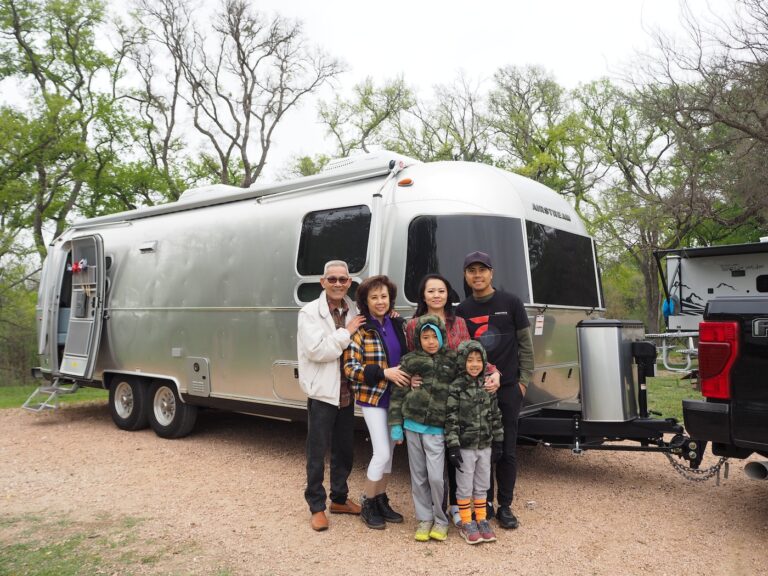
point(337, 279)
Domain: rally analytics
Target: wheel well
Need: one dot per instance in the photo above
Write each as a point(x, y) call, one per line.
point(147, 380)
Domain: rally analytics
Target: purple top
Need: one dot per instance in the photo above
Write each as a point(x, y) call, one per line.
point(392, 346)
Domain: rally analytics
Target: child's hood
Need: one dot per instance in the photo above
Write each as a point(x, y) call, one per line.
point(463, 351)
point(422, 321)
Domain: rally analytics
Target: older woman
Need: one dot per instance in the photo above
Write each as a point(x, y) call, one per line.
point(372, 363)
point(435, 299)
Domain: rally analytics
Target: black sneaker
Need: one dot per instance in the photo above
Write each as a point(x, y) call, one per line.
point(370, 514)
point(506, 518)
point(489, 514)
point(385, 510)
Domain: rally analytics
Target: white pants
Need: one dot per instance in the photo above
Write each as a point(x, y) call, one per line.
point(383, 446)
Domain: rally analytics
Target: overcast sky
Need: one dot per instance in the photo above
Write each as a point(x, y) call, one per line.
point(430, 41)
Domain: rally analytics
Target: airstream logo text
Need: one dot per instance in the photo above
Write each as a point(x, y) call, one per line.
point(551, 212)
point(760, 327)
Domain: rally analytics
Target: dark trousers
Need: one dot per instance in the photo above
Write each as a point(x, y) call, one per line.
point(328, 427)
point(451, 480)
point(510, 400)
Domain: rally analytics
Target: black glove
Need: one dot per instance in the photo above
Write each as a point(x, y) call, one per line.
point(497, 450)
point(454, 457)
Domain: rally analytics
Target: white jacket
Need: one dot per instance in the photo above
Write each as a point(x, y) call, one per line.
point(320, 345)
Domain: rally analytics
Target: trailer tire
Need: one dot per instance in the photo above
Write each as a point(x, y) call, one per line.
point(127, 403)
point(168, 415)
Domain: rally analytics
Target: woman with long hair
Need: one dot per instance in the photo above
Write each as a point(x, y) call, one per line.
point(435, 295)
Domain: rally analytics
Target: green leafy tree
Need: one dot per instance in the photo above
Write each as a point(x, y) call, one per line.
point(367, 117)
point(539, 133)
point(68, 130)
point(621, 279)
point(453, 125)
point(717, 82)
point(529, 114)
point(305, 166)
point(660, 189)
point(17, 321)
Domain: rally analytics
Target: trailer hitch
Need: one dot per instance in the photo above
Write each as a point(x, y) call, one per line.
point(688, 449)
point(692, 450)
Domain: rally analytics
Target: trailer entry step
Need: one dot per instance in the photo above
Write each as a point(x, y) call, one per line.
point(49, 395)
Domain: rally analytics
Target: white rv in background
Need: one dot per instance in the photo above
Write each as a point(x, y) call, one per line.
point(693, 276)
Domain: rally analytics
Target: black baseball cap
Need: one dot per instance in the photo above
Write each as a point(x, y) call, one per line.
point(477, 258)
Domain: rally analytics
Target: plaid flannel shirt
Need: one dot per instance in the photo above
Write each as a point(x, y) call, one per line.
point(365, 360)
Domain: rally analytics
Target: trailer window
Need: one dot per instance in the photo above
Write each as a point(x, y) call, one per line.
point(336, 234)
point(439, 244)
point(563, 270)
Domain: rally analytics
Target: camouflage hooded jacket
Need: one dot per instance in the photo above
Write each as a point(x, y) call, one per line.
point(473, 418)
point(425, 404)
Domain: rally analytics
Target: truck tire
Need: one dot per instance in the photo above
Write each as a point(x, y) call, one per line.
point(127, 401)
point(168, 415)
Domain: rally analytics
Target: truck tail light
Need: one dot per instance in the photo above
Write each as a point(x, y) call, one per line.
point(718, 348)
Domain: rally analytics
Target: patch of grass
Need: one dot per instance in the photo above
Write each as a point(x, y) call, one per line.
point(62, 546)
point(666, 393)
point(62, 557)
point(15, 396)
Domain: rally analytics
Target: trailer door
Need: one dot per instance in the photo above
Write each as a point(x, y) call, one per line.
point(86, 315)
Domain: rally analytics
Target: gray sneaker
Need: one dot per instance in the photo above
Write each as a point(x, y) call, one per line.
point(453, 513)
point(470, 533)
point(486, 532)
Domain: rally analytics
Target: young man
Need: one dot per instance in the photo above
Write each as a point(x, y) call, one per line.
point(324, 330)
point(499, 322)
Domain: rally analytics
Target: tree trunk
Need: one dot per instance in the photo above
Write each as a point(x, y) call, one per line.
point(652, 292)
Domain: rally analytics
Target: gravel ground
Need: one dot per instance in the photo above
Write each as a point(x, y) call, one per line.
point(229, 499)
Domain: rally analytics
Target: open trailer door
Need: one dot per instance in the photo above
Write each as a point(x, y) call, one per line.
point(86, 316)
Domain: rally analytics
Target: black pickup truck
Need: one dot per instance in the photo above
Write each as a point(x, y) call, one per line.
point(733, 374)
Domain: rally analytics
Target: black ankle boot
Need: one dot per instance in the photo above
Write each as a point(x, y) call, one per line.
point(370, 514)
point(385, 510)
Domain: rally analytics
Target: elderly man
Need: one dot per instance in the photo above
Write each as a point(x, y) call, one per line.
point(499, 321)
point(324, 330)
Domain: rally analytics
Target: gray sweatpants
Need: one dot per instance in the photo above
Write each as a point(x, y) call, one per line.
point(474, 480)
point(426, 459)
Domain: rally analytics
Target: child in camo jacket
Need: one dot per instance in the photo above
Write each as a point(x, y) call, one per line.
point(474, 434)
point(421, 412)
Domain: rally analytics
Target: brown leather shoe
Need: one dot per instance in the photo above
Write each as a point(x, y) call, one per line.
point(349, 507)
point(319, 521)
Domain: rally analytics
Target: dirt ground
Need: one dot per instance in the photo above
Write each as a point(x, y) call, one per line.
point(229, 500)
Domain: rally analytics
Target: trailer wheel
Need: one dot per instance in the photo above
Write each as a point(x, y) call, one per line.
point(168, 415)
point(127, 400)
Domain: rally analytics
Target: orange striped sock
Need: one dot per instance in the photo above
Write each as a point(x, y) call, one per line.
point(465, 511)
point(480, 509)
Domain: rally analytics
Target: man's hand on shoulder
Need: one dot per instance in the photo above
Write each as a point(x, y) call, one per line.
point(355, 323)
point(492, 382)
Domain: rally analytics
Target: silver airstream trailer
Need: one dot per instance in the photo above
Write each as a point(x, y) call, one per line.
point(194, 303)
